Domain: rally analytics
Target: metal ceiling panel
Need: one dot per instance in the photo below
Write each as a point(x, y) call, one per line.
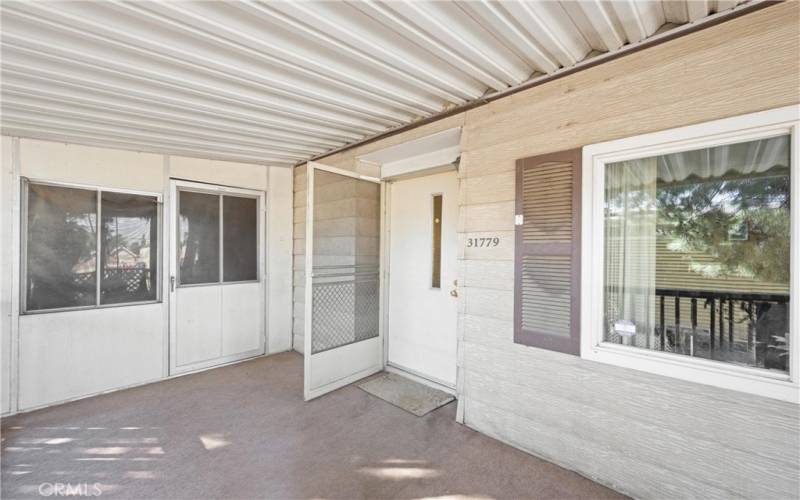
point(280, 82)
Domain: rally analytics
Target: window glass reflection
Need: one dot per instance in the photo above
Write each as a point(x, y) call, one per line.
point(199, 238)
point(240, 238)
point(61, 243)
point(697, 253)
point(129, 248)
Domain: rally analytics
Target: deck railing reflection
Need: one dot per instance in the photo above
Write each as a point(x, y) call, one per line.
point(746, 328)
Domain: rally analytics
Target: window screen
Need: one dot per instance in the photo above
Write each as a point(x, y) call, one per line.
point(213, 223)
point(61, 247)
point(199, 238)
point(129, 248)
point(346, 254)
point(61, 262)
point(240, 238)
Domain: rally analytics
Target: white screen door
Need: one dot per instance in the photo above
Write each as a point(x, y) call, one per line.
point(342, 341)
point(217, 301)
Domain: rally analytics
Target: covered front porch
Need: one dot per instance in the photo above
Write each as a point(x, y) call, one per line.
point(180, 439)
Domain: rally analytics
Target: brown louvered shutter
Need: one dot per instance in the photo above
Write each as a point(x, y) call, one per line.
point(547, 260)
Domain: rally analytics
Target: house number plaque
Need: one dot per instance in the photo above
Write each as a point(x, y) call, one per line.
point(483, 242)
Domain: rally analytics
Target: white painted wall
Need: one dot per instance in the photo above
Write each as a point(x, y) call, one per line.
point(6, 180)
point(279, 259)
point(71, 354)
point(243, 175)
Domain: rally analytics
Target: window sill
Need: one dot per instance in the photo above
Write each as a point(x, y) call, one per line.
point(755, 381)
point(89, 308)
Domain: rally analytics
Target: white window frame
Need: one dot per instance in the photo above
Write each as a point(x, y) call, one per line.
point(754, 126)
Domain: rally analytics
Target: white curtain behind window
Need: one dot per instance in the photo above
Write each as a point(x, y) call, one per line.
point(631, 251)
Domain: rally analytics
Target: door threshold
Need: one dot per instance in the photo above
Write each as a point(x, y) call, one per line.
point(422, 379)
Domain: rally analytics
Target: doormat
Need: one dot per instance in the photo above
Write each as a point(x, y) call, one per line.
point(406, 394)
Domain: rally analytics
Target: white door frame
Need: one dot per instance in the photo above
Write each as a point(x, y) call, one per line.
point(172, 285)
point(386, 234)
point(308, 392)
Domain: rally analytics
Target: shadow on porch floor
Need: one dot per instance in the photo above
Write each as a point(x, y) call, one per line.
point(243, 431)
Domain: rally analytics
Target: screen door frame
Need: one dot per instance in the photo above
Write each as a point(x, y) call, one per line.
point(332, 360)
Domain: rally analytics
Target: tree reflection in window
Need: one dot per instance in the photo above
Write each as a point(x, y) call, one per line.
point(61, 242)
point(61, 247)
point(698, 253)
point(129, 248)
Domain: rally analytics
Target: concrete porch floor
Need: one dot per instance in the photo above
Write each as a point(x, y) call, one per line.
point(243, 431)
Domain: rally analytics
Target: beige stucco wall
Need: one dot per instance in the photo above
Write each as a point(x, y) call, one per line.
point(649, 436)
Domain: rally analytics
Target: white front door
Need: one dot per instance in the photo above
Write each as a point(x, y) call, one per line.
point(423, 262)
point(217, 301)
point(343, 340)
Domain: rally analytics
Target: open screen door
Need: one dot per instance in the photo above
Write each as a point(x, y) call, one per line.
point(343, 293)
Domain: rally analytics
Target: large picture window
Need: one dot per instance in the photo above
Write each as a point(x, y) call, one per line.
point(692, 242)
point(697, 248)
point(62, 243)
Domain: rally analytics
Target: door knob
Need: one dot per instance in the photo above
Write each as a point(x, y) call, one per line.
point(454, 291)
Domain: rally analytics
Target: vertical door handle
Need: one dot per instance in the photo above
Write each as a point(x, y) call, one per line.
point(172, 283)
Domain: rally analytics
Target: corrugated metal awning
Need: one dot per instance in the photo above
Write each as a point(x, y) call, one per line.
point(280, 82)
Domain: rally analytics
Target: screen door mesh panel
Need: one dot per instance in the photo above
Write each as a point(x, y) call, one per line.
point(333, 315)
point(345, 306)
point(367, 307)
point(345, 290)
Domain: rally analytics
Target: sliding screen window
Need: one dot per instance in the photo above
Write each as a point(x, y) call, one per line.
point(69, 263)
